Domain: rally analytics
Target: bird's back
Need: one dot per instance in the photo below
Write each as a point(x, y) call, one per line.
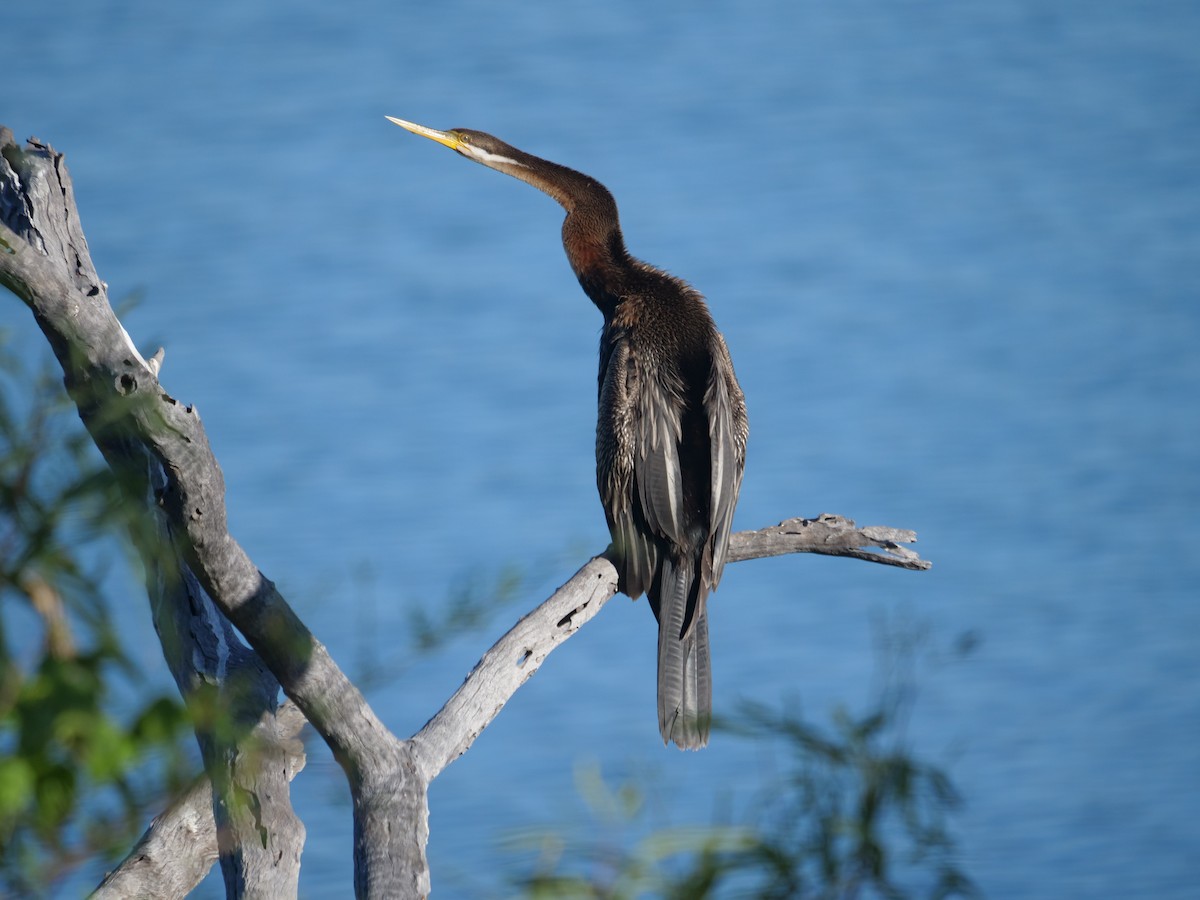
point(662, 362)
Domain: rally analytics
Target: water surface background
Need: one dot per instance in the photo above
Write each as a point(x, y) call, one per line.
point(954, 248)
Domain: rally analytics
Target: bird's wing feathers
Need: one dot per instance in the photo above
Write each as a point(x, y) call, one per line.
point(727, 432)
point(656, 458)
point(615, 442)
point(640, 480)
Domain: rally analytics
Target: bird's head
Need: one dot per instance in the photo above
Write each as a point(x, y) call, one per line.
point(483, 148)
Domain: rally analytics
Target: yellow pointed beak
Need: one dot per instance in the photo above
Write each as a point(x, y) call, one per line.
point(445, 138)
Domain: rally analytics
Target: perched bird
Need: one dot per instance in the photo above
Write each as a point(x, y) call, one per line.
point(671, 432)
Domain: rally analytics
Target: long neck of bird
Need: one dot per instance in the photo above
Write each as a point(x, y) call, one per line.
point(591, 232)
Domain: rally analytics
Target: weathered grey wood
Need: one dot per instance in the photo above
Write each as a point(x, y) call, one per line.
point(829, 535)
point(180, 846)
point(173, 855)
point(195, 568)
point(246, 757)
point(511, 662)
point(137, 425)
point(44, 259)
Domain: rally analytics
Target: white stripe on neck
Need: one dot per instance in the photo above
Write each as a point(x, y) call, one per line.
point(491, 158)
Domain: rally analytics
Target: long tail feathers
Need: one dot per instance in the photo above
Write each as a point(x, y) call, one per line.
point(684, 669)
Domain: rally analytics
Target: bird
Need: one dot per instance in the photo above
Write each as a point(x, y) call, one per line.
point(671, 426)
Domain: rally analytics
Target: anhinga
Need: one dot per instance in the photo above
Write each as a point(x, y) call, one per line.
point(671, 433)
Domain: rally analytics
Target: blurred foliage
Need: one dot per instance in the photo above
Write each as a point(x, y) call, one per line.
point(84, 752)
point(852, 813)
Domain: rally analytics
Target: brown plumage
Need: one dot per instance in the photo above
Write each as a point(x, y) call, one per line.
point(671, 430)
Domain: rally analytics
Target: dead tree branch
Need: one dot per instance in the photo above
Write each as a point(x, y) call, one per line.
point(180, 846)
point(44, 259)
point(160, 450)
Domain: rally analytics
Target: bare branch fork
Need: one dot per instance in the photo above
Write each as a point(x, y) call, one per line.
point(200, 580)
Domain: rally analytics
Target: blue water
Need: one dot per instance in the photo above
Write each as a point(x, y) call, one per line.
point(954, 248)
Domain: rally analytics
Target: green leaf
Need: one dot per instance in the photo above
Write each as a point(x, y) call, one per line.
point(109, 751)
point(55, 797)
point(160, 722)
point(17, 781)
